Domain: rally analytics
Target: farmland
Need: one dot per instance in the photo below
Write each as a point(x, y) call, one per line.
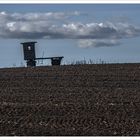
point(70, 100)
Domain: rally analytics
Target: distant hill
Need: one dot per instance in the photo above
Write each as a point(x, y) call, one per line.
point(70, 100)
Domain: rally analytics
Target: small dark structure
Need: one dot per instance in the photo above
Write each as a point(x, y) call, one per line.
point(29, 55)
point(54, 60)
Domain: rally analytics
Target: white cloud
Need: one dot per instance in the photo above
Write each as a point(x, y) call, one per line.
point(90, 43)
point(52, 25)
point(38, 16)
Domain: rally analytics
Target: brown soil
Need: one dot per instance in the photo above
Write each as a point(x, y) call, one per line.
point(78, 100)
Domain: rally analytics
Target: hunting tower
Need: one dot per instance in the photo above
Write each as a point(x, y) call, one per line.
point(29, 53)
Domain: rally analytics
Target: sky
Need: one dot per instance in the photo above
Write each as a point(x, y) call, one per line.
point(97, 32)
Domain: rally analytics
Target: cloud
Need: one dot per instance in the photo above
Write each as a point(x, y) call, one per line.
point(90, 43)
point(53, 25)
point(32, 25)
point(37, 16)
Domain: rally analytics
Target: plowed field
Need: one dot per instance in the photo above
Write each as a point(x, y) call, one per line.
point(78, 100)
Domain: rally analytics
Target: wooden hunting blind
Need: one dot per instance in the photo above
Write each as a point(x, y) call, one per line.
point(29, 53)
point(30, 57)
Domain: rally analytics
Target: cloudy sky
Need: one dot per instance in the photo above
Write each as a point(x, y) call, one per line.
point(107, 32)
